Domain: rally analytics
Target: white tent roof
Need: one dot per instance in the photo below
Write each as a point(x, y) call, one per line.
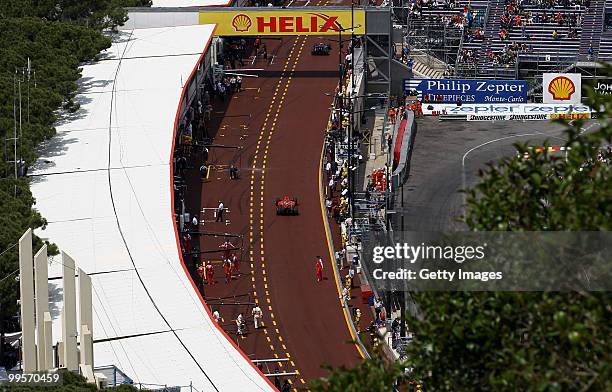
point(191, 3)
point(103, 183)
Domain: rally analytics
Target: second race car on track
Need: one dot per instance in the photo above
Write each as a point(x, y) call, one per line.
point(286, 206)
point(321, 49)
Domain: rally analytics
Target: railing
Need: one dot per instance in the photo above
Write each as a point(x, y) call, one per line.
point(345, 305)
point(486, 18)
point(460, 49)
point(538, 86)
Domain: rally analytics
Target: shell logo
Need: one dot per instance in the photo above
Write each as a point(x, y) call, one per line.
point(561, 88)
point(242, 23)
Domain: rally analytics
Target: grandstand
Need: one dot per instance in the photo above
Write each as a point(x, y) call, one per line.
point(507, 39)
point(604, 52)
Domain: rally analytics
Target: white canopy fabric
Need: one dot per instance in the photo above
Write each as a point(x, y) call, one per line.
point(191, 3)
point(103, 183)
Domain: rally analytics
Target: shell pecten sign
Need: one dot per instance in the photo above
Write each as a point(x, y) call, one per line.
point(561, 88)
point(241, 23)
point(284, 22)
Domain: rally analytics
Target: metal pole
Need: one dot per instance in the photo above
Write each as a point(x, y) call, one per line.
point(15, 128)
point(390, 54)
point(402, 215)
point(340, 55)
point(403, 313)
point(20, 129)
point(352, 119)
point(29, 72)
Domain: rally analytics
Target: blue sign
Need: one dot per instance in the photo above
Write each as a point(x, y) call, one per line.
point(469, 91)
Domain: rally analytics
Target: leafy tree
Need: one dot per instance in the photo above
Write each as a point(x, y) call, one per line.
point(97, 14)
point(57, 36)
point(508, 341)
point(376, 374)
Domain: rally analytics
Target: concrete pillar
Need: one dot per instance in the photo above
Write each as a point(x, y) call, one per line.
point(48, 326)
point(41, 289)
point(86, 317)
point(86, 345)
point(60, 349)
point(69, 326)
point(26, 288)
point(86, 354)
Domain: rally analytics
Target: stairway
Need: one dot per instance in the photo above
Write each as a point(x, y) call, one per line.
point(493, 24)
point(425, 71)
point(592, 27)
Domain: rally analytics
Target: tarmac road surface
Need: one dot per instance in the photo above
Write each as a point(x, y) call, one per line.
point(432, 200)
point(274, 131)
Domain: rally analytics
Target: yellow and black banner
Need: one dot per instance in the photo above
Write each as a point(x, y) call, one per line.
point(285, 22)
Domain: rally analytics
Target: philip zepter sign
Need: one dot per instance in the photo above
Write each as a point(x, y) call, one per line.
point(472, 91)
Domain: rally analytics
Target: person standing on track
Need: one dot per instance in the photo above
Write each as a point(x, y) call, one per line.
point(235, 265)
point(239, 80)
point(239, 325)
point(187, 243)
point(210, 274)
point(203, 172)
point(332, 186)
point(227, 249)
point(233, 172)
point(228, 270)
point(319, 269)
point(220, 210)
point(392, 115)
point(345, 296)
point(286, 386)
point(201, 274)
point(257, 314)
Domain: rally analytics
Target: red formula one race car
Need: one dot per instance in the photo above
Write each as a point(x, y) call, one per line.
point(286, 206)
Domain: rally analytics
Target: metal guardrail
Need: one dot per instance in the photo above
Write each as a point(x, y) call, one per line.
point(345, 307)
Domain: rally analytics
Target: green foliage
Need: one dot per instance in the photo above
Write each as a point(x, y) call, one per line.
point(546, 192)
point(512, 342)
point(16, 215)
point(509, 341)
point(505, 341)
point(55, 51)
point(57, 36)
point(96, 14)
point(375, 374)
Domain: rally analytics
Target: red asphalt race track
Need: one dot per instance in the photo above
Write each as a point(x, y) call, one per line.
point(278, 121)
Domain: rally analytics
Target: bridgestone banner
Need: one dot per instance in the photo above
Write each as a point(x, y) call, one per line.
point(528, 117)
point(552, 111)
